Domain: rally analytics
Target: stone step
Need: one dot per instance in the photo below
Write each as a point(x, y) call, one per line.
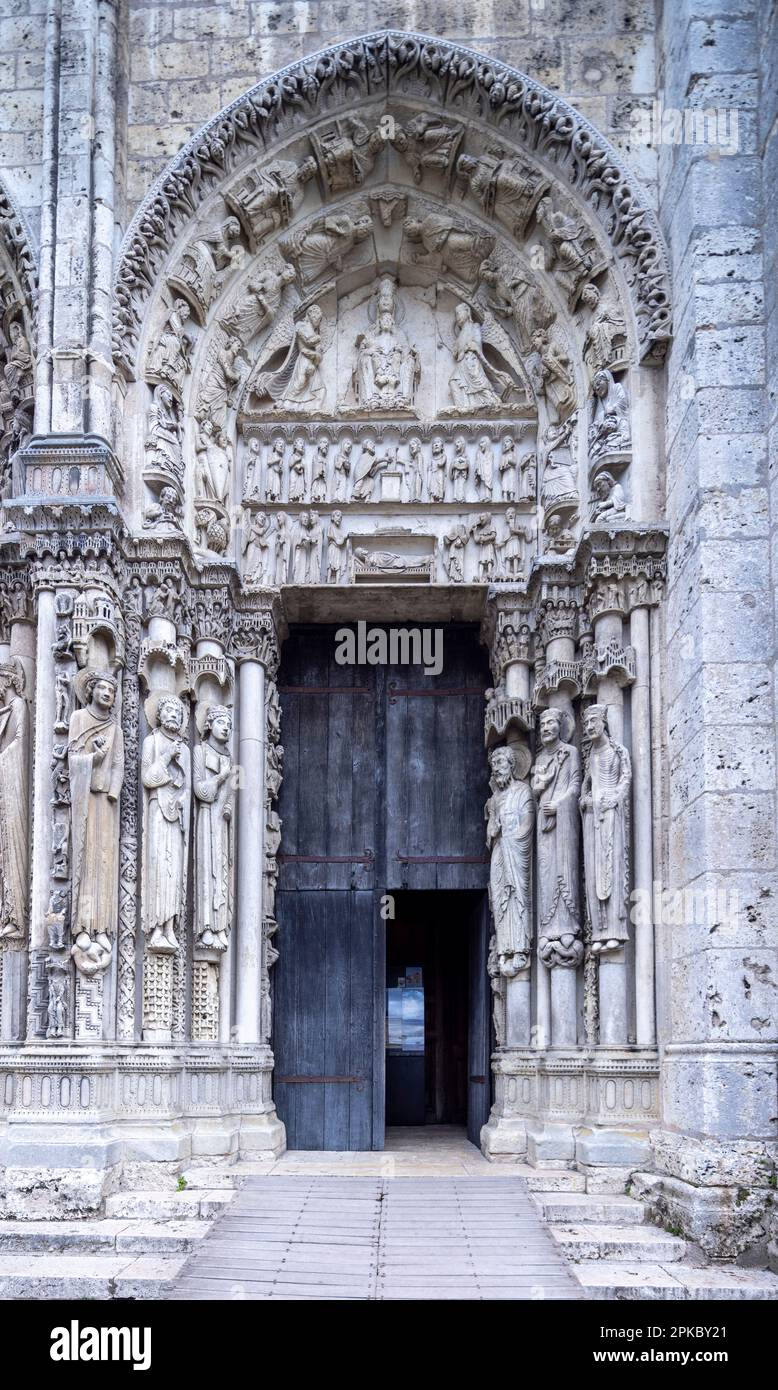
point(572, 1208)
point(169, 1206)
point(101, 1236)
point(87, 1276)
point(227, 1176)
point(614, 1279)
point(608, 1242)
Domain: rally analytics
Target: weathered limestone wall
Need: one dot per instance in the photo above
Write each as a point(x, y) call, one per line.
point(187, 61)
point(717, 980)
point(22, 61)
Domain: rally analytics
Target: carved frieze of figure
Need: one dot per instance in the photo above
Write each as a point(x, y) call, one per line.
point(259, 302)
point(166, 512)
point(297, 384)
point(96, 772)
point(605, 811)
point(454, 545)
point(459, 469)
point(559, 481)
point(528, 477)
point(257, 547)
point(506, 188)
point(415, 469)
point(367, 470)
point(509, 833)
point(518, 297)
point(324, 244)
point(608, 503)
point(321, 456)
point(298, 472)
point(513, 546)
point(609, 431)
point(485, 537)
point(606, 336)
point(163, 439)
point(484, 468)
point(559, 537)
point(167, 786)
point(337, 542)
point(213, 784)
point(19, 363)
point(267, 197)
point(342, 468)
point(438, 467)
point(281, 548)
point(56, 1012)
point(307, 549)
point(205, 265)
point(556, 782)
point(347, 153)
point(225, 369)
point(475, 385)
point(448, 243)
point(274, 473)
point(92, 955)
point(551, 374)
point(14, 802)
point(171, 355)
point(508, 468)
point(386, 367)
point(572, 258)
point(251, 477)
point(385, 561)
point(214, 463)
point(428, 144)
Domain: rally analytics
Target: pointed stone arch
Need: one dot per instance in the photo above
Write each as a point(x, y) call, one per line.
point(18, 314)
point(380, 69)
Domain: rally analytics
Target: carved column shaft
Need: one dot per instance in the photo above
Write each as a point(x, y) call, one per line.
point(563, 983)
point(642, 829)
point(251, 846)
point(42, 810)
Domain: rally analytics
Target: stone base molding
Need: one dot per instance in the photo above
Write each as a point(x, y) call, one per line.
point(81, 1122)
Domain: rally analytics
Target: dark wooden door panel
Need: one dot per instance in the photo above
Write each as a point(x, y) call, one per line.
point(479, 1088)
point(323, 1019)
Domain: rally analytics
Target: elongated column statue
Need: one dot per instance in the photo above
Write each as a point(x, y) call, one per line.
point(510, 817)
point(212, 779)
point(605, 811)
point(556, 782)
point(166, 777)
point(14, 799)
point(96, 769)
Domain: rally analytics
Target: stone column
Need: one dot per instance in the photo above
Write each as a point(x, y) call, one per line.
point(251, 847)
point(255, 644)
point(642, 829)
point(42, 815)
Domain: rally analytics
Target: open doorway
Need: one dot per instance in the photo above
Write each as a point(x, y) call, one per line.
point(437, 1011)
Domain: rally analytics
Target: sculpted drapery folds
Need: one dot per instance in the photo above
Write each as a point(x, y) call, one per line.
point(556, 782)
point(96, 771)
point(166, 778)
point(605, 811)
point(509, 828)
point(14, 799)
point(212, 781)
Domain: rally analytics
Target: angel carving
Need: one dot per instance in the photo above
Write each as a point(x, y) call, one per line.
point(258, 305)
point(296, 384)
point(475, 384)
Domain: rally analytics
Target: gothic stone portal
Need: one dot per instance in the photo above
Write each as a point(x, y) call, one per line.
point(385, 334)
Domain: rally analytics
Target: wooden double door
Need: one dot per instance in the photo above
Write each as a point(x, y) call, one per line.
point(382, 806)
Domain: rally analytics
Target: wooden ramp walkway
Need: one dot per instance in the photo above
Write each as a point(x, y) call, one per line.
point(328, 1237)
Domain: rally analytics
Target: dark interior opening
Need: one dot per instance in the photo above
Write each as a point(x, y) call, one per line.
point(427, 1020)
